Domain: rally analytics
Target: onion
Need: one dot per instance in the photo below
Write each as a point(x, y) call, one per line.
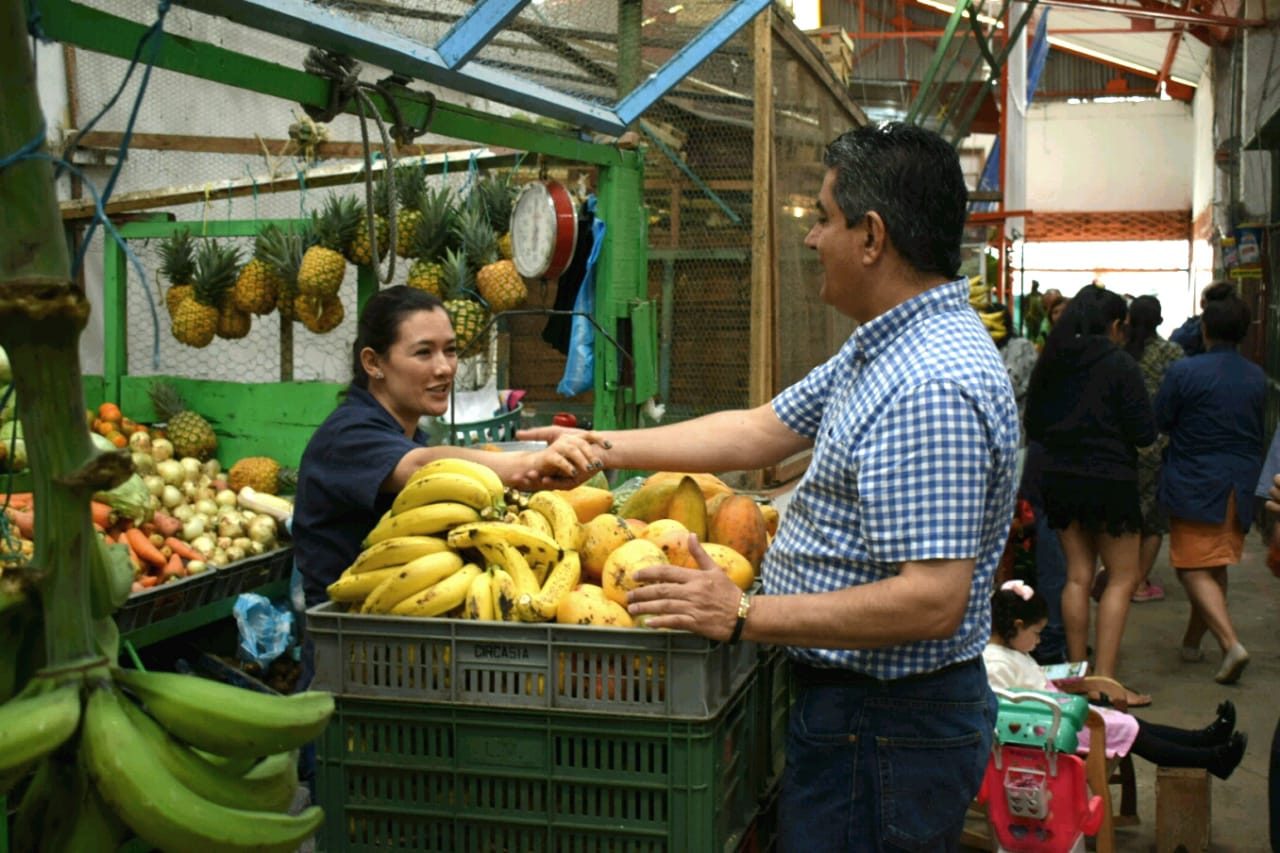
point(242, 542)
point(162, 449)
point(183, 512)
point(204, 544)
point(226, 497)
point(190, 468)
point(212, 468)
point(154, 483)
point(195, 567)
point(222, 543)
point(207, 507)
point(189, 489)
point(169, 470)
point(263, 529)
point(230, 526)
point(256, 548)
point(143, 463)
point(235, 554)
point(219, 557)
point(193, 527)
point(140, 442)
point(171, 497)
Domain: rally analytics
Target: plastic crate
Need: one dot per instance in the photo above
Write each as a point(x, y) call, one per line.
point(162, 602)
point(448, 779)
point(551, 666)
point(762, 834)
point(772, 707)
point(501, 427)
point(251, 573)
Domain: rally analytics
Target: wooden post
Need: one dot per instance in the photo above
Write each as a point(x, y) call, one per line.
point(763, 350)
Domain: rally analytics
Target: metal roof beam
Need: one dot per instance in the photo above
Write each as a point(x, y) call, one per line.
point(310, 24)
point(1156, 11)
point(473, 30)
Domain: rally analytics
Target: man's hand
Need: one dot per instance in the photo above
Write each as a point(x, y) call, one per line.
point(702, 600)
point(567, 461)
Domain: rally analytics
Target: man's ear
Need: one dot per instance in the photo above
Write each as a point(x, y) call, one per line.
point(877, 239)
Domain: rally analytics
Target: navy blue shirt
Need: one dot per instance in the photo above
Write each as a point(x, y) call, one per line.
point(348, 457)
point(1211, 407)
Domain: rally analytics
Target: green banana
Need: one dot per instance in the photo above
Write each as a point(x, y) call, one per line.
point(33, 724)
point(77, 818)
point(36, 802)
point(229, 720)
point(270, 787)
point(19, 618)
point(124, 766)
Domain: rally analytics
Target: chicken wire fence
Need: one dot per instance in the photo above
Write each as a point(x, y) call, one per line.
point(193, 134)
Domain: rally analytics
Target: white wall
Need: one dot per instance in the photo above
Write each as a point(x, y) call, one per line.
point(1110, 156)
point(1203, 168)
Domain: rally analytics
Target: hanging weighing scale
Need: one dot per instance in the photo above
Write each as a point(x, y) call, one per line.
point(544, 230)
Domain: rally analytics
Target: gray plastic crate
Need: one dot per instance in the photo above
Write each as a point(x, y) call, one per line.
point(165, 601)
point(566, 667)
point(251, 573)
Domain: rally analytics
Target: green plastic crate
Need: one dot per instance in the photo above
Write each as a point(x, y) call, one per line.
point(446, 779)
point(774, 695)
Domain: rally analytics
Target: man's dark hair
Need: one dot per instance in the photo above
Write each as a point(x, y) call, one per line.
point(912, 178)
point(1225, 318)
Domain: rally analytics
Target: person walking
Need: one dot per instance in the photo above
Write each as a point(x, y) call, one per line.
point(1211, 407)
point(878, 578)
point(1088, 407)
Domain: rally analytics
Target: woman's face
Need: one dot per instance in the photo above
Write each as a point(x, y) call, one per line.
point(418, 368)
point(1056, 311)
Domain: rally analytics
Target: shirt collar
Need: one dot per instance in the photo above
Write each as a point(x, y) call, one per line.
point(873, 337)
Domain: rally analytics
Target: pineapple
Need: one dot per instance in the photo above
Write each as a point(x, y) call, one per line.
point(497, 197)
point(361, 249)
point(411, 185)
point(259, 280)
point(323, 265)
point(319, 314)
point(285, 255)
point(468, 315)
point(191, 434)
point(232, 322)
point(498, 282)
point(262, 474)
point(177, 264)
point(433, 235)
point(195, 320)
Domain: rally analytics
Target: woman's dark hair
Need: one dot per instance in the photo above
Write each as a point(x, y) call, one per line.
point(1144, 319)
point(1092, 311)
point(1007, 607)
point(379, 324)
point(1225, 318)
point(912, 178)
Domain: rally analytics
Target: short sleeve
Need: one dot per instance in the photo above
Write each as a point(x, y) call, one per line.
point(800, 406)
point(360, 453)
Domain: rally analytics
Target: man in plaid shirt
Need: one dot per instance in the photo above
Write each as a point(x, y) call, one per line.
point(879, 578)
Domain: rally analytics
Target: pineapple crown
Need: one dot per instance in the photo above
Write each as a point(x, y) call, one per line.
point(382, 195)
point(435, 230)
point(167, 400)
point(216, 269)
point(338, 221)
point(459, 281)
point(479, 241)
point(177, 257)
point(497, 197)
point(411, 184)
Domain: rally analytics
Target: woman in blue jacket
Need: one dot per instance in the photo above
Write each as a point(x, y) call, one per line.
point(1211, 407)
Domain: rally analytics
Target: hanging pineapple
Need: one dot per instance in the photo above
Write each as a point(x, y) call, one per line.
point(177, 264)
point(286, 257)
point(191, 434)
point(499, 284)
point(411, 186)
point(195, 320)
point(324, 266)
point(497, 196)
point(259, 281)
point(361, 249)
point(232, 322)
point(319, 314)
point(468, 315)
point(436, 232)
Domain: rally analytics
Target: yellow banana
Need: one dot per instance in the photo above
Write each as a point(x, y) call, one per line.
point(396, 551)
point(540, 551)
point(502, 553)
point(411, 579)
point(228, 720)
point(454, 465)
point(566, 529)
point(33, 724)
point(542, 606)
point(479, 602)
point(504, 595)
point(445, 486)
point(352, 589)
point(535, 520)
point(133, 780)
point(423, 521)
point(442, 597)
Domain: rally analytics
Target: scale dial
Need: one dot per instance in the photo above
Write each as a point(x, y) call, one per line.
point(544, 230)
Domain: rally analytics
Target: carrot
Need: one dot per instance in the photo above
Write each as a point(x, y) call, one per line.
point(166, 525)
point(148, 527)
point(103, 515)
point(143, 547)
point(173, 568)
point(182, 549)
point(20, 500)
point(25, 522)
point(148, 581)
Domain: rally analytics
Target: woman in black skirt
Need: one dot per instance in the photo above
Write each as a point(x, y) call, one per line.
point(1088, 407)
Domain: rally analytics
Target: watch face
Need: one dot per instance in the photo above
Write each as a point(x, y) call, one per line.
point(533, 230)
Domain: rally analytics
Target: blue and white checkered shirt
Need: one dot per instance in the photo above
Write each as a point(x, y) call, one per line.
point(915, 435)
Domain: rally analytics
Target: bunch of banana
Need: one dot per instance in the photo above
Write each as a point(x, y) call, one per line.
point(979, 294)
point(438, 497)
point(994, 321)
point(205, 766)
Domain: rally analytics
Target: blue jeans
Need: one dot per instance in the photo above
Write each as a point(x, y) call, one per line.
point(1051, 578)
point(884, 765)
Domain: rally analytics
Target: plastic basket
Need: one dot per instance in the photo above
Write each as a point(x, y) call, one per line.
point(448, 779)
point(774, 695)
point(501, 427)
point(167, 600)
point(249, 574)
point(567, 667)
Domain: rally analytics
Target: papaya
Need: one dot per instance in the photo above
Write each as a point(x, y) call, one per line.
point(601, 535)
point(689, 507)
point(771, 518)
point(649, 503)
point(622, 565)
point(710, 484)
point(739, 523)
point(588, 501)
point(732, 564)
point(673, 538)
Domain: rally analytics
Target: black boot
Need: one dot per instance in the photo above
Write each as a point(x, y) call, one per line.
point(1226, 758)
point(1221, 729)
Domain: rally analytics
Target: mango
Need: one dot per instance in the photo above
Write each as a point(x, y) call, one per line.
point(587, 604)
point(588, 501)
point(689, 507)
point(649, 503)
point(621, 566)
point(673, 538)
point(710, 484)
point(732, 564)
point(601, 535)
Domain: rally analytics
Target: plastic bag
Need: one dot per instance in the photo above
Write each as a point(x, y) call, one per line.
point(266, 631)
point(579, 369)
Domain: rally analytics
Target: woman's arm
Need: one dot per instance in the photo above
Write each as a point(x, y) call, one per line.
point(563, 464)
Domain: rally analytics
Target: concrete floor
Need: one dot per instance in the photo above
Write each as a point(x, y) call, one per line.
point(1185, 694)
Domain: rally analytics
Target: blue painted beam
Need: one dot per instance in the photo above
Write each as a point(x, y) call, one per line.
point(481, 22)
point(679, 66)
point(320, 27)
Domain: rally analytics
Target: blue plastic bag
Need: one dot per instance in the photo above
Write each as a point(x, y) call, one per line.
point(266, 631)
point(579, 369)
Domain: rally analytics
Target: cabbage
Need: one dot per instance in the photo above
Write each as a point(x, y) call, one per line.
point(131, 499)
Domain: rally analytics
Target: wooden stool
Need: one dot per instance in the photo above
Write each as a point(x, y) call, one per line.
point(1182, 810)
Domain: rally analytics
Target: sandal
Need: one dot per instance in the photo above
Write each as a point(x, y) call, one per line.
point(1152, 592)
